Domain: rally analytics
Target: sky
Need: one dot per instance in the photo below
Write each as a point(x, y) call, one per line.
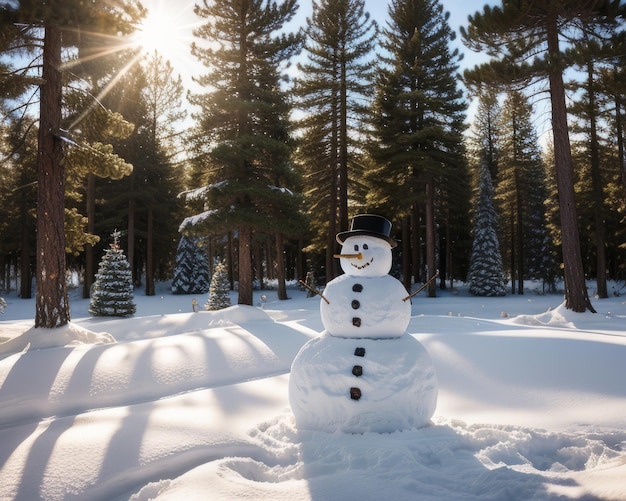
point(171, 404)
point(175, 20)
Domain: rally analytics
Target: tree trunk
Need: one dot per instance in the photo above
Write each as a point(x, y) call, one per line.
point(576, 296)
point(415, 246)
point(332, 230)
point(25, 274)
point(230, 260)
point(245, 266)
point(90, 202)
point(343, 147)
point(520, 233)
point(431, 260)
point(130, 255)
point(445, 256)
point(619, 131)
point(258, 264)
point(406, 252)
point(598, 191)
point(52, 308)
point(280, 266)
point(150, 255)
point(512, 250)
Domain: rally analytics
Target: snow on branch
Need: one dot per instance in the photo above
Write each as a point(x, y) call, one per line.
point(200, 193)
point(282, 190)
point(191, 221)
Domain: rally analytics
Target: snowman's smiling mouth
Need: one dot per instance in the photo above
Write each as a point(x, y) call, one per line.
point(365, 265)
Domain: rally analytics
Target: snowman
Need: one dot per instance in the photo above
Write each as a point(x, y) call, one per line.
point(364, 372)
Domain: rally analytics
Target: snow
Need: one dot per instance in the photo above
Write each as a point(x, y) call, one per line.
point(171, 404)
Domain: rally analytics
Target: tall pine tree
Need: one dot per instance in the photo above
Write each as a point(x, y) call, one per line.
point(521, 192)
point(417, 123)
point(48, 27)
point(243, 130)
point(332, 88)
point(524, 41)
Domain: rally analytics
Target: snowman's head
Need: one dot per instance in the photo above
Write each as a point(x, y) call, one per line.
point(366, 256)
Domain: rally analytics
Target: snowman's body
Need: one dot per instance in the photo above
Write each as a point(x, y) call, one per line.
point(364, 373)
point(360, 307)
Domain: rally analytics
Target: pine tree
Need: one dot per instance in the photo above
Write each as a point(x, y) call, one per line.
point(485, 276)
point(113, 289)
point(219, 293)
point(191, 271)
point(243, 132)
point(332, 85)
point(521, 192)
point(55, 22)
point(417, 123)
point(524, 40)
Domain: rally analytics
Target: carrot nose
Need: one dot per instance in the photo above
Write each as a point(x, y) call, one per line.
point(349, 256)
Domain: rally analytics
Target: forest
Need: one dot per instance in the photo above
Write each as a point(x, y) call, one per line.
point(286, 135)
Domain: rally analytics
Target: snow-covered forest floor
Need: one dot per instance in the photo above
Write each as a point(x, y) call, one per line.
point(172, 404)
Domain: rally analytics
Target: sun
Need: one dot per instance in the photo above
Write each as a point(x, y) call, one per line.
point(155, 33)
point(167, 30)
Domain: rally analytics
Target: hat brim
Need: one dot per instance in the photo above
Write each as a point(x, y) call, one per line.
point(342, 236)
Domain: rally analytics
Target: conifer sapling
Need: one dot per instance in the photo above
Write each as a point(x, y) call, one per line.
point(112, 293)
point(219, 292)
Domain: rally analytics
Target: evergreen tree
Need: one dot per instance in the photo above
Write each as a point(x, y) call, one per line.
point(521, 192)
point(57, 21)
point(486, 275)
point(18, 195)
point(219, 292)
point(191, 271)
point(523, 39)
point(417, 123)
point(333, 84)
point(484, 138)
point(591, 154)
point(113, 289)
point(149, 98)
point(243, 130)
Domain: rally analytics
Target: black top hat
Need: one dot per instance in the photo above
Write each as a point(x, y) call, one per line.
point(370, 225)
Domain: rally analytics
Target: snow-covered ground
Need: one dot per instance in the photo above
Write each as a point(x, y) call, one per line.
point(171, 405)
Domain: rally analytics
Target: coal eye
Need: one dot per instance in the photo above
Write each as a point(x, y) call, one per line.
point(356, 247)
point(365, 247)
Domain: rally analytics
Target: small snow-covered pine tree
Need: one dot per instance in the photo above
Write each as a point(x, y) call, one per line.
point(3, 305)
point(219, 292)
point(112, 293)
point(191, 270)
point(486, 273)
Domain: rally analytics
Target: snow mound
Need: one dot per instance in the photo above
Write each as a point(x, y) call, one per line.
point(236, 315)
point(71, 334)
point(559, 317)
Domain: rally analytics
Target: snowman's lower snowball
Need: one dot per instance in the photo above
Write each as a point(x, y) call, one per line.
point(395, 378)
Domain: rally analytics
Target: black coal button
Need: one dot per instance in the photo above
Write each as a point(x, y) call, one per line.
point(359, 352)
point(356, 321)
point(355, 393)
point(355, 304)
point(357, 288)
point(357, 371)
